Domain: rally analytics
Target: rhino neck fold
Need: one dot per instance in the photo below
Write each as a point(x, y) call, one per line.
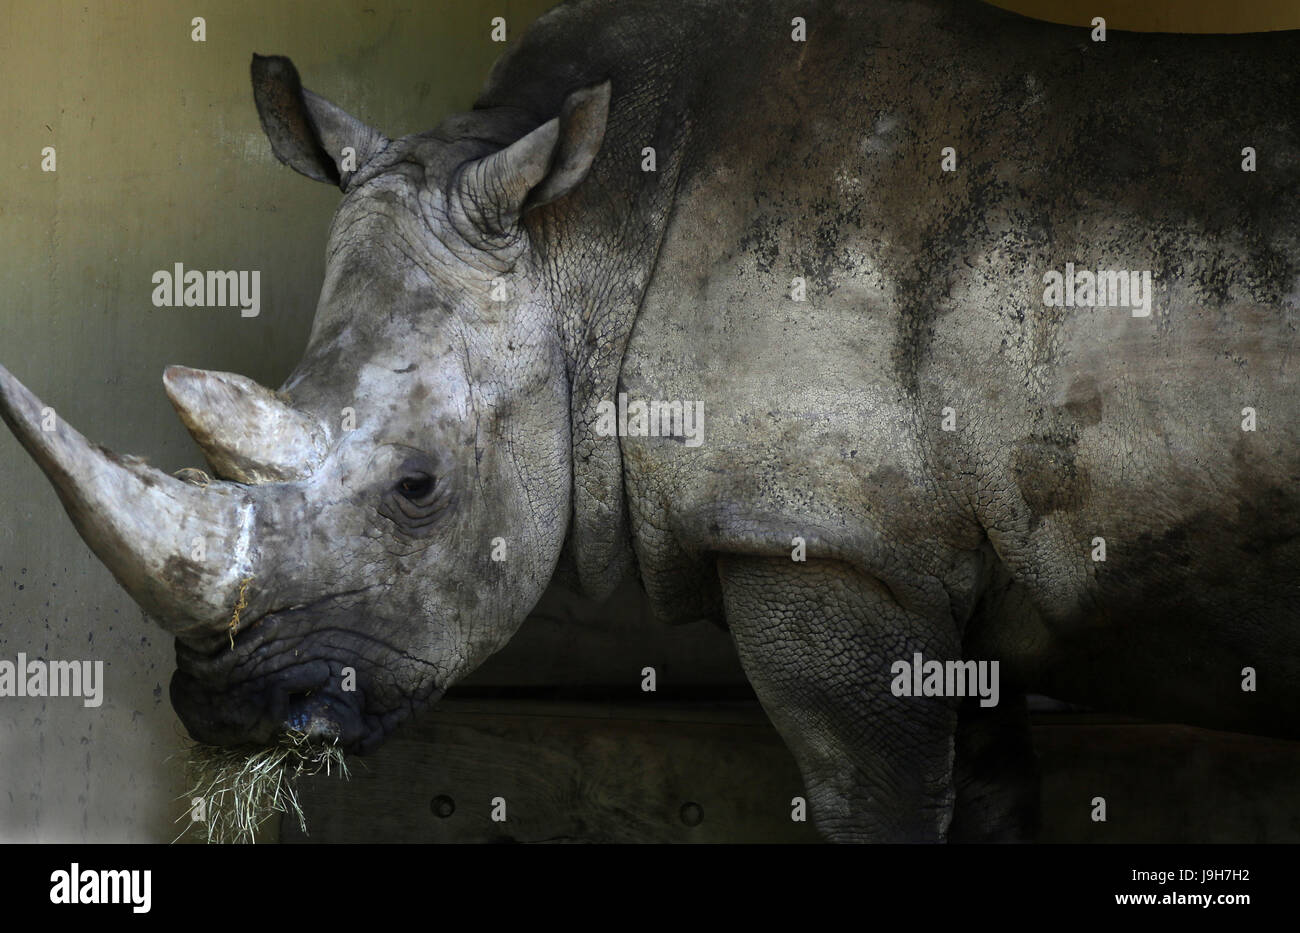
point(596, 337)
point(602, 242)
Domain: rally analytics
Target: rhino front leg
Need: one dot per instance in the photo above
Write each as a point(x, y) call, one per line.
point(817, 640)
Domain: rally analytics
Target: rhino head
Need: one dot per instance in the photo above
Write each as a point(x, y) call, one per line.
point(386, 520)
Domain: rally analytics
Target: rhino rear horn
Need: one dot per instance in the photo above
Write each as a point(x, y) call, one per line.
point(308, 133)
point(185, 554)
point(246, 431)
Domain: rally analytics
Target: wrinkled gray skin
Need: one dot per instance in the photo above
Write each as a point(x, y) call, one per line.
point(371, 547)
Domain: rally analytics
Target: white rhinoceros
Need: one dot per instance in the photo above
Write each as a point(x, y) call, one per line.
point(895, 335)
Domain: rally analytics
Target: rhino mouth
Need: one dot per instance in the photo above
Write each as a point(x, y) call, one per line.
point(302, 670)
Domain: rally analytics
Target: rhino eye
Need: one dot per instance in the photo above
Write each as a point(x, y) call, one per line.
point(416, 498)
point(415, 487)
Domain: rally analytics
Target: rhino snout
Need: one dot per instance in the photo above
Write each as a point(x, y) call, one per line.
point(308, 698)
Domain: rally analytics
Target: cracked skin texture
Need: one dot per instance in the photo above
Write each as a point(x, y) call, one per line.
point(924, 292)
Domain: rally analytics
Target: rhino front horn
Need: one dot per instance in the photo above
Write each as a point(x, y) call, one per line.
point(246, 431)
point(184, 553)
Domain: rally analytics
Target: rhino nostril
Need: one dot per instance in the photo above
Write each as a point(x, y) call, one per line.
point(299, 712)
point(315, 717)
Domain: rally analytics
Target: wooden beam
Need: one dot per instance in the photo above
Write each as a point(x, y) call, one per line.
point(718, 772)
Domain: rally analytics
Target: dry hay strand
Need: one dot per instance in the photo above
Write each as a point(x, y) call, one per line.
point(242, 788)
point(239, 607)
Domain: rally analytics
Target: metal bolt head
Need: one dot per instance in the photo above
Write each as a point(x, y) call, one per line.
point(442, 806)
point(692, 813)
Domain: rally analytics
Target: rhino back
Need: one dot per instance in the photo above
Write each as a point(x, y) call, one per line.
point(925, 292)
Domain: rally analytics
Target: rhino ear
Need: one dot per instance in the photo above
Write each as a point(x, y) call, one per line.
point(548, 163)
point(308, 133)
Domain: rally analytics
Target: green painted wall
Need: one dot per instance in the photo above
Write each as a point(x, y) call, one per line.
point(1166, 15)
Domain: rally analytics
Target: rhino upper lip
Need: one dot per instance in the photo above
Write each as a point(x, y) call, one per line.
point(278, 670)
point(243, 636)
point(215, 658)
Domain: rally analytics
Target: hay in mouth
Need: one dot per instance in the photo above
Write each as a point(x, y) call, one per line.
point(242, 788)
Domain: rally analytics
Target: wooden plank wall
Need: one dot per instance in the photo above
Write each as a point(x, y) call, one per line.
point(569, 640)
point(692, 772)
